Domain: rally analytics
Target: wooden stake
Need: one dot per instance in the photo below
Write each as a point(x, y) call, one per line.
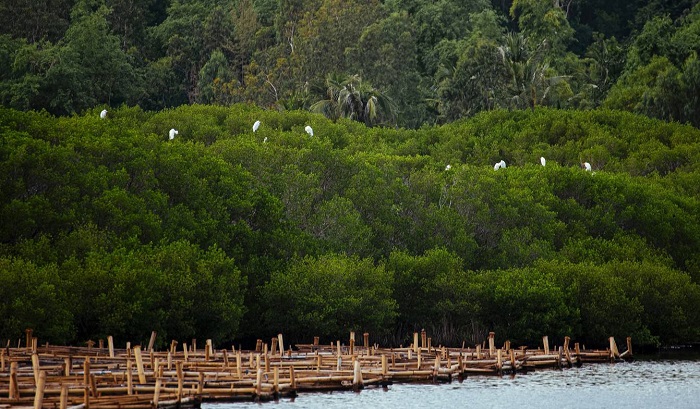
point(357, 376)
point(292, 378)
point(184, 350)
point(63, 400)
point(35, 368)
point(14, 386)
point(110, 345)
point(139, 365)
point(86, 383)
point(545, 342)
point(239, 368)
point(423, 339)
point(28, 333)
point(152, 341)
point(39, 395)
point(415, 342)
point(384, 365)
point(492, 343)
point(156, 393)
point(129, 378)
point(365, 339)
point(178, 366)
point(258, 382)
point(276, 380)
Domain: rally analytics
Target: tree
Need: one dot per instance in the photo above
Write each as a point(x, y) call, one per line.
point(350, 97)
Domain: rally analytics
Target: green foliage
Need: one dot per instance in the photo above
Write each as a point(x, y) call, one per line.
point(330, 295)
point(228, 233)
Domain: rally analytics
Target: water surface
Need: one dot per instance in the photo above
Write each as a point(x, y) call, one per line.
point(657, 383)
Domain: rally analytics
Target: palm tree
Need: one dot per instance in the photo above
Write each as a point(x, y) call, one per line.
point(532, 79)
point(347, 96)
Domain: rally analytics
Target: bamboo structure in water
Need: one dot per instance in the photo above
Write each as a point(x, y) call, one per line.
point(61, 377)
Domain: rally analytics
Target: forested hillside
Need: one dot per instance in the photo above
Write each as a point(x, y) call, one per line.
point(109, 227)
point(400, 63)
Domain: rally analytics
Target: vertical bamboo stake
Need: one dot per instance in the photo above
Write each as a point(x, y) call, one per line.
point(2, 360)
point(273, 347)
point(128, 349)
point(492, 345)
point(225, 358)
point(110, 345)
point(280, 341)
point(152, 341)
point(35, 368)
point(156, 393)
point(170, 361)
point(629, 346)
point(267, 363)
point(86, 383)
point(194, 346)
point(68, 365)
point(14, 386)
point(423, 339)
point(258, 382)
point(292, 378)
point(101, 343)
point(420, 356)
point(384, 365)
point(93, 385)
point(129, 378)
point(173, 347)
point(35, 344)
point(318, 362)
point(415, 342)
point(184, 350)
point(545, 342)
point(276, 382)
point(339, 364)
point(365, 339)
point(139, 364)
point(28, 333)
point(499, 361)
point(339, 351)
point(239, 365)
point(39, 395)
point(352, 347)
point(200, 383)
point(357, 375)
point(512, 360)
point(436, 366)
point(478, 352)
point(206, 350)
point(63, 400)
point(178, 367)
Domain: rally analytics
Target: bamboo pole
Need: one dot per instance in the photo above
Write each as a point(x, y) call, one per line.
point(86, 383)
point(545, 342)
point(384, 365)
point(492, 344)
point(35, 368)
point(152, 341)
point(156, 393)
point(280, 340)
point(184, 350)
point(63, 400)
point(139, 364)
point(39, 395)
point(14, 386)
point(110, 345)
point(129, 378)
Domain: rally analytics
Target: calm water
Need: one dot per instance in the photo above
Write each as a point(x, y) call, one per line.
point(638, 384)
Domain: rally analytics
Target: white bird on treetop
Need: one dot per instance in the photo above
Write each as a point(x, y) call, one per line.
point(497, 166)
point(172, 133)
point(503, 163)
point(103, 114)
point(587, 166)
point(448, 167)
point(256, 125)
point(543, 161)
point(265, 140)
point(309, 130)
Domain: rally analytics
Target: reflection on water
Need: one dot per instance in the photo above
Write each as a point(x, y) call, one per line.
point(638, 384)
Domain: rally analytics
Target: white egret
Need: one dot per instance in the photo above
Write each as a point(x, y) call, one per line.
point(309, 130)
point(503, 163)
point(497, 166)
point(543, 161)
point(256, 125)
point(265, 140)
point(587, 166)
point(172, 133)
point(448, 167)
point(103, 114)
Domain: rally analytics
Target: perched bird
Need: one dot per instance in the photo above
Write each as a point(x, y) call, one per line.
point(587, 166)
point(256, 125)
point(448, 167)
point(309, 130)
point(543, 161)
point(103, 114)
point(497, 166)
point(172, 134)
point(503, 163)
point(265, 140)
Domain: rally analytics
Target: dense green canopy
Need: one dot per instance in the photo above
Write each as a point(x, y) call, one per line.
point(110, 228)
